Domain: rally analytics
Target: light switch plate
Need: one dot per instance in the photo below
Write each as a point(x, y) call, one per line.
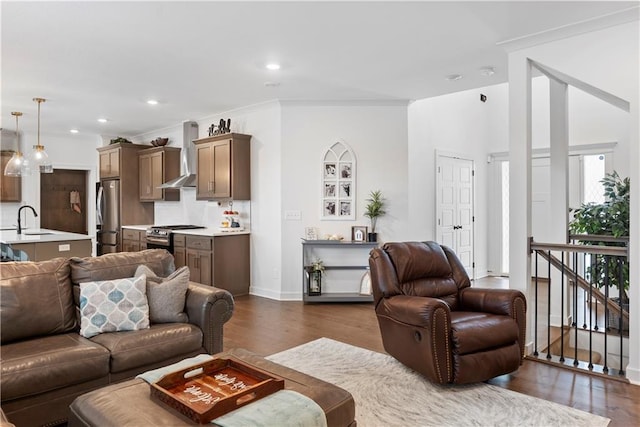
point(292, 215)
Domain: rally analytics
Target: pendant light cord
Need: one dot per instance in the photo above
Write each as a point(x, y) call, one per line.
point(39, 101)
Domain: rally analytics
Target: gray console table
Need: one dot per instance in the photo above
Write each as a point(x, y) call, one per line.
point(343, 256)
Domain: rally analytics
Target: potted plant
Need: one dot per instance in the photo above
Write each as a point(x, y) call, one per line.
point(374, 210)
point(610, 218)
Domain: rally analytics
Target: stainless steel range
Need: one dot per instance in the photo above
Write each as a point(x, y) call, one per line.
point(161, 236)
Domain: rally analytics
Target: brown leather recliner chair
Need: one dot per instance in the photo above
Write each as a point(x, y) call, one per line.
point(434, 322)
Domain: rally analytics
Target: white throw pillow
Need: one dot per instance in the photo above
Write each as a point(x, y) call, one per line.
point(113, 305)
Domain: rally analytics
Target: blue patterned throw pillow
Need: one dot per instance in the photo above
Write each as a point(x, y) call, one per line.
point(113, 305)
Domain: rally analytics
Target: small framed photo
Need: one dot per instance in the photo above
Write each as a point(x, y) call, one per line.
point(329, 170)
point(329, 189)
point(345, 170)
point(345, 189)
point(345, 208)
point(329, 208)
point(359, 233)
point(310, 233)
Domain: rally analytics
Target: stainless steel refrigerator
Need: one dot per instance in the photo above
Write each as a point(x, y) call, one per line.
point(108, 212)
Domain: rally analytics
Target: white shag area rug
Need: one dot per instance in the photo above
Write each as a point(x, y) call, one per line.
point(389, 394)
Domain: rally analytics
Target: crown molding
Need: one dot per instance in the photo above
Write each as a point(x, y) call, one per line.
point(594, 24)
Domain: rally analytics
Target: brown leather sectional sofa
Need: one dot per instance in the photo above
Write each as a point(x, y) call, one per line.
point(46, 363)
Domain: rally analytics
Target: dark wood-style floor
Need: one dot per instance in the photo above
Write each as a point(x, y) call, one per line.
point(266, 326)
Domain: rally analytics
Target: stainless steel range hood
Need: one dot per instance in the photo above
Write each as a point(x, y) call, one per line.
point(188, 177)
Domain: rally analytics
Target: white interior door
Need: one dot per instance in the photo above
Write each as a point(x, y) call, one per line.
point(454, 207)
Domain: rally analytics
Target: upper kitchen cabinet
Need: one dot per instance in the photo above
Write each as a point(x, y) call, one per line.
point(224, 167)
point(109, 162)
point(156, 166)
point(118, 159)
point(10, 186)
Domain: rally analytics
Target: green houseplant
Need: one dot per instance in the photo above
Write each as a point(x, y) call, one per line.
point(610, 218)
point(374, 210)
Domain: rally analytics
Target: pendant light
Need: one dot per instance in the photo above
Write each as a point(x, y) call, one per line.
point(17, 162)
point(39, 157)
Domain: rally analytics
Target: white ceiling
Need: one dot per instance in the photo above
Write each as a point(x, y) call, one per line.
point(105, 59)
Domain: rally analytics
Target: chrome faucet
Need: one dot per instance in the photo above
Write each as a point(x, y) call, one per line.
point(19, 211)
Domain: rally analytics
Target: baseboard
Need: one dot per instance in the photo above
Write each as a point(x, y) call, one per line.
point(278, 296)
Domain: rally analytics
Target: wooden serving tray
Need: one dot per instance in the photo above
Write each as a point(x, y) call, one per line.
point(211, 389)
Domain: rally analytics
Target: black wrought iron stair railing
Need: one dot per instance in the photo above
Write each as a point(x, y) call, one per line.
point(578, 288)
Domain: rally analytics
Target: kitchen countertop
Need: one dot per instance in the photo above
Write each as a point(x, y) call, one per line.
point(39, 235)
point(207, 232)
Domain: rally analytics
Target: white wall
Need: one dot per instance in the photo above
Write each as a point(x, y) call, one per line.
point(591, 121)
point(288, 141)
point(456, 123)
point(460, 123)
point(377, 133)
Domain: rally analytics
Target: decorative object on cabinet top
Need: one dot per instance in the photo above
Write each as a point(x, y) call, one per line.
point(159, 142)
point(119, 140)
point(222, 128)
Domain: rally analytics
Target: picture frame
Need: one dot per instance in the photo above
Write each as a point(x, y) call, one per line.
point(338, 183)
point(359, 233)
point(310, 233)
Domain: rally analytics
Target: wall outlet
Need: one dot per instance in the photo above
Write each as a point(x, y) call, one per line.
point(292, 215)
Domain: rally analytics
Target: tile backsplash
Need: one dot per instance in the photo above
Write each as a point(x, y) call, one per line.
point(198, 212)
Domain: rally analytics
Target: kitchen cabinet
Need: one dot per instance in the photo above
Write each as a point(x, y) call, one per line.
point(199, 259)
point(224, 167)
point(110, 163)
point(120, 189)
point(220, 261)
point(133, 240)
point(42, 251)
point(10, 186)
point(118, 160)
point(156, 166)
point(179, 250)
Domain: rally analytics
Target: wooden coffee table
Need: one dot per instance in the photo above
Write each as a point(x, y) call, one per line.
point(129, 404)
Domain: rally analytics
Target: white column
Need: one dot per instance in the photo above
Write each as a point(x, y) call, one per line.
point(559, 193)
point(559, 134)
point(633, 368)
point(520, 182)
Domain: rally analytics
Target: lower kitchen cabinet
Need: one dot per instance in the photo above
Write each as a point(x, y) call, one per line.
point(179, 250)
point(220, 261)
point(43, 251)
point(200, 266)
point(200, 258)
point(133, 240)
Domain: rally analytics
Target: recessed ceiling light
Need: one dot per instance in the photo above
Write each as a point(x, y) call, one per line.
point(273, 66)
point(74, 131)
point(102, 120)
point(454, 77)
point(487, 71)
point(152, 102)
